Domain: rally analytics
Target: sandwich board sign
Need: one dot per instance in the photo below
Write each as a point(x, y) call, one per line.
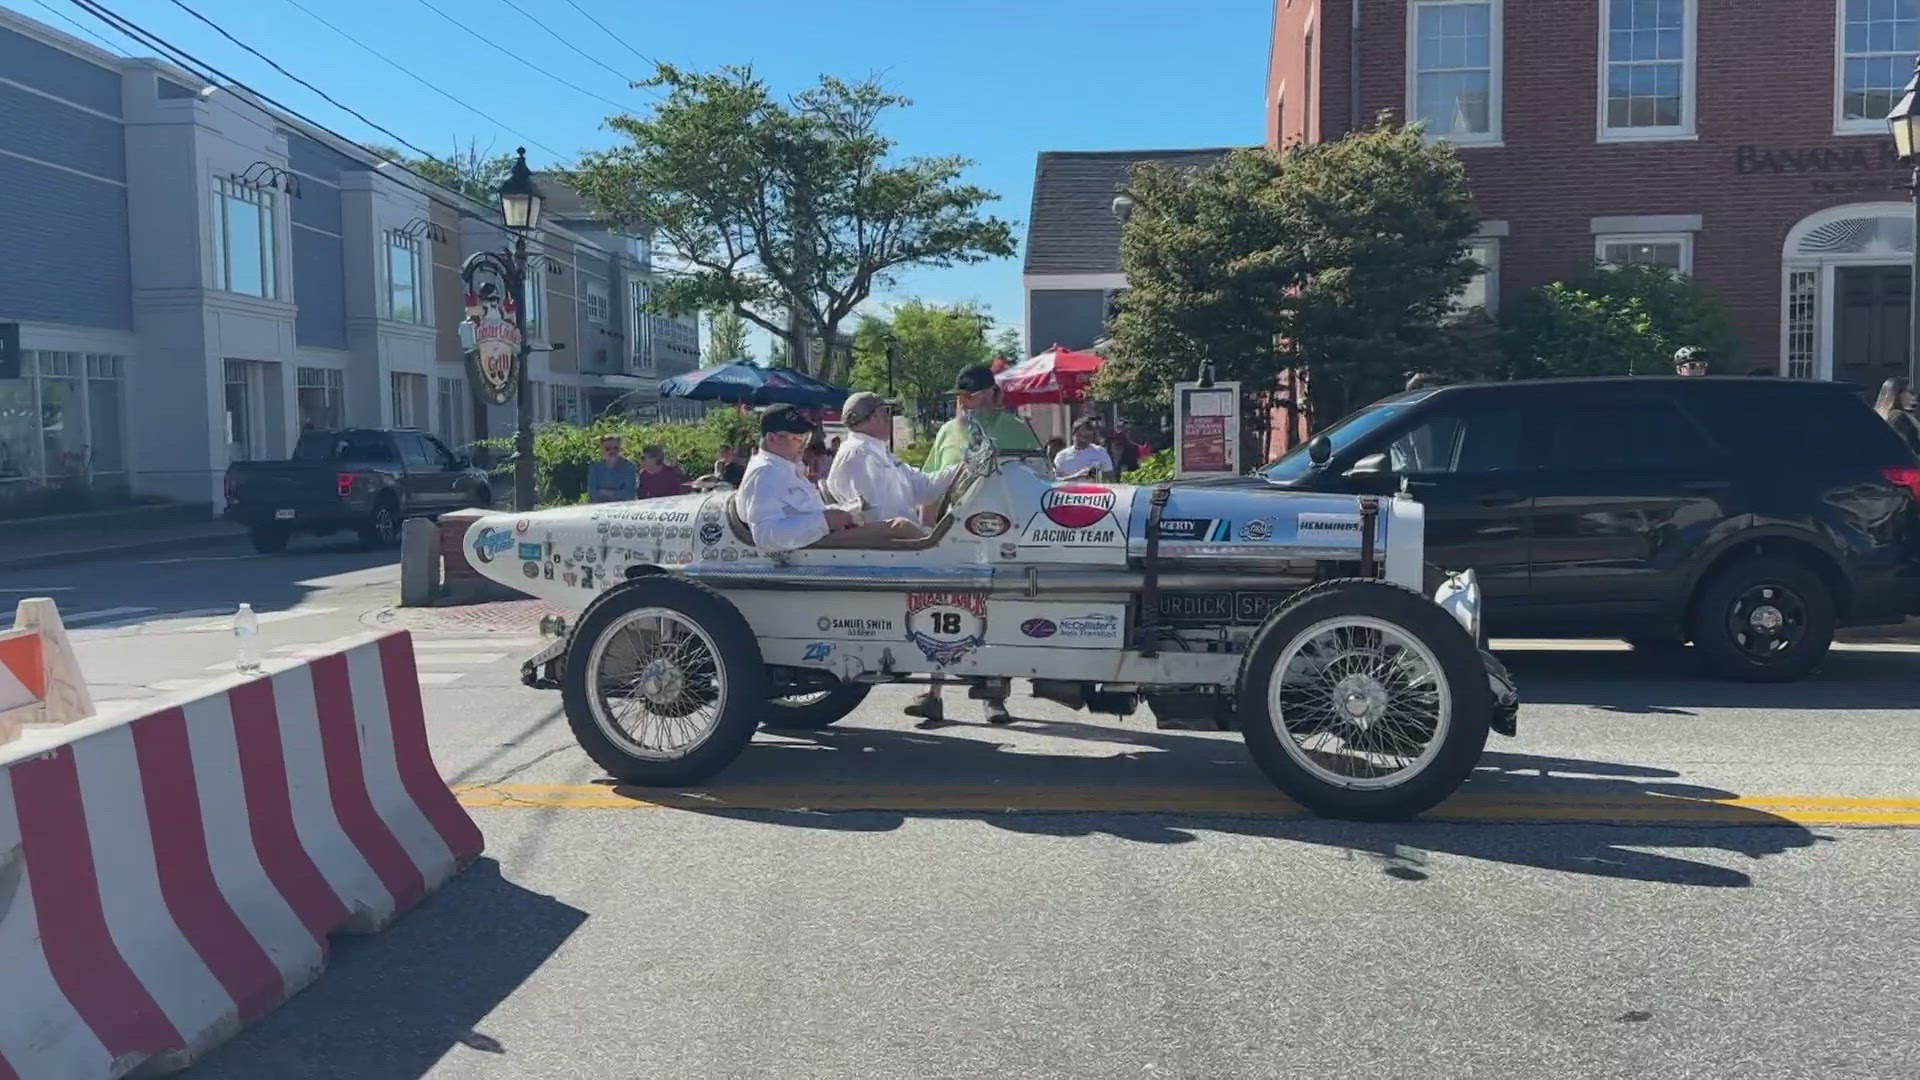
point(1206, 429)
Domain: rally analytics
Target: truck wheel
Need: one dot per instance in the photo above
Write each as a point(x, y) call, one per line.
point(802, 712)
point(383, 527)
point(1362, 699)
point(1763, 620)
point(663, 682)
point(269, 539)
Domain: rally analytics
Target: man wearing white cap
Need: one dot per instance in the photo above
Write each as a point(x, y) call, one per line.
point(866, 472)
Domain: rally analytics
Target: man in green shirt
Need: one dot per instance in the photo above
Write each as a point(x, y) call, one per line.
point(978, 396)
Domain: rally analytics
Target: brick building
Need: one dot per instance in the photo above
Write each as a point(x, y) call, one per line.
point(1737, 140)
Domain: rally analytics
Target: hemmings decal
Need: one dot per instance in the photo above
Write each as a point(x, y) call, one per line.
point(860, 628)
point(988, 524)
point(1076, 506)
point(489, 542)
point(1039, 628)
point(1344, 528)
point(817, 651)
point(1259, 530)
point(947, 626)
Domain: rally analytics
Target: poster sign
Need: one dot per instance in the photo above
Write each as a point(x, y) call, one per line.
point(1206, 429)
point(491, 335)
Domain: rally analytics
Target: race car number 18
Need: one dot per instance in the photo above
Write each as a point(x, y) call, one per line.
point(946, 626)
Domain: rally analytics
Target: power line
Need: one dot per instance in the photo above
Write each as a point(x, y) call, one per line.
point(617, 39)
point(530, 140)
point(490, 43)
point(549, 31)
point(62, 16)
point(275, 65)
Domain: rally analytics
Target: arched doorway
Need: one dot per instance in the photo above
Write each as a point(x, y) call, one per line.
point(1847, 283)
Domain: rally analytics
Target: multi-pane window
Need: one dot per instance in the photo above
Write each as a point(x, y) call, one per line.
point(596, 302)
point(566, 404)
point(321, 396)
point(403, 278)
point(1803, 323)
point(534, 319)
point(642, 338)
point(106, 416)
point(1674, 252)
point(1647, 74)
point(1483, 291)
point(64, 419)
point(1878, 39)
point(409, 398)
point(454, 411)
point(243, 239)
point(1454, 68)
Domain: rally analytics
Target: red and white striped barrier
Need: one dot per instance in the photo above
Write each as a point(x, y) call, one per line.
point(166, 879)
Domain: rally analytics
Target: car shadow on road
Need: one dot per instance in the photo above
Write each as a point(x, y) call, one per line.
point(459, 955)
point(1863, 677)
point(1559, 814)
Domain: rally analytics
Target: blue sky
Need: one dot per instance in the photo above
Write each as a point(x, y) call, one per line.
point(996, 81)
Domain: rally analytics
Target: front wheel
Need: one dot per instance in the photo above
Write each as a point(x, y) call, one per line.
point(1361, 699)
point(804, 712)
point(1763, 620)
point(663, 682)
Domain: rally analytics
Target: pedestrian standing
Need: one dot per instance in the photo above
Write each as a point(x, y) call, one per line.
point(612, 478)
point(1690, 361)
point(1085, 459)
point(657, 478)
point(1895, 406)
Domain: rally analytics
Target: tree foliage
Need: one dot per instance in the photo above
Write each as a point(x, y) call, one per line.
point(563, 451)
point(1617, 321)
point(471, 171)
point(932, 343)
point(1337, 258)
point(771, 205)
point(726, 338)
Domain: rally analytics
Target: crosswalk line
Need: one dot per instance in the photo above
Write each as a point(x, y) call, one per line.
point(439, 678)
point(458, 644)
point(92, 619)
point(462, 659)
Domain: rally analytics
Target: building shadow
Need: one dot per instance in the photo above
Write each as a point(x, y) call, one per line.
point(458, 956)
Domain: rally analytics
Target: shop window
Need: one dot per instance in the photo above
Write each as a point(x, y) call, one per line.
point(321, 396)
point(1453, 69)
point(1673, 252)
point(1877, 43)
point(1647, 77)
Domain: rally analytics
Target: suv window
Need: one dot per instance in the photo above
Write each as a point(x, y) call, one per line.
point(1488, 440)
point(1782, 423)
point(413, 451)
point(438, 452)
point(1626, 433)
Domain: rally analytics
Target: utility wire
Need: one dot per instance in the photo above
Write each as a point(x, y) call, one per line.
point(396, 65)
point(516, 58)
point(549, 31)
point(617, 39)
point(63, 17)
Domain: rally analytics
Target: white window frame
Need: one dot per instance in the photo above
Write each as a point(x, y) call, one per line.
point(1690, 66)
point(331, 382)
point(399, 387)
point(451, 410)
point(224, 189)
point(596, 301)
point(535, 317)
point(1869, 125)
point(1496, 73)
point(1484, 250)
point(400, 242)
point(1683, 239)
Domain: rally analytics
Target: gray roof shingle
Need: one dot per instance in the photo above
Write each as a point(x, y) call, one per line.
point(1071, 229)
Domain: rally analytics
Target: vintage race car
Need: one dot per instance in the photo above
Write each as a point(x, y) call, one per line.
point(1300, 620)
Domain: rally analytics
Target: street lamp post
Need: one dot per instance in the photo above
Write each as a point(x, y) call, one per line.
point(495, 333)
point(1904, 122)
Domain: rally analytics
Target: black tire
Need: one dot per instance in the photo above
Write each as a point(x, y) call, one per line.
point(483, 498)
point(736, 655)
point(382, 528)
point(269, 539)
point(1471, 700)
point(1728, 613)
point(814, 711)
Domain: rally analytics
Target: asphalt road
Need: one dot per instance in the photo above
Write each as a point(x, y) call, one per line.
point(1663, 876)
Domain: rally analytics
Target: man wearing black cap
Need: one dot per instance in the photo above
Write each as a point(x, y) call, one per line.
point(780, 505)
point(977, 397)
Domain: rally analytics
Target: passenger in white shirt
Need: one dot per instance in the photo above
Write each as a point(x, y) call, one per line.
point(866, 473)
point(1085, 457)
point(781, 507)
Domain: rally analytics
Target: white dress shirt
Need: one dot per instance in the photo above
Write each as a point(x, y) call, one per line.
point(779, 505)
point(866, 472)
point(1075, 458)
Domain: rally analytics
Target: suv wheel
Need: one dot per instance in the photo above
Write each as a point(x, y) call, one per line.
point(1763, 620)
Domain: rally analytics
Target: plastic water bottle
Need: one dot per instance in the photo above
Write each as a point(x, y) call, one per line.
point(246, 640)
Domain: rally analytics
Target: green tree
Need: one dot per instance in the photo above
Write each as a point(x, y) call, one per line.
point(771, 205)
point(726, 338)
point(1337, 258)
point(1616, 321)
point(1006, 342)
point(471, 171)
point(931, 344)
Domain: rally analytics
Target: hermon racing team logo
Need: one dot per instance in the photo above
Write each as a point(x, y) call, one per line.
point(1076, 506)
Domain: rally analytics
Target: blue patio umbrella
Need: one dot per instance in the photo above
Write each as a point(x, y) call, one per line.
point(747, 383)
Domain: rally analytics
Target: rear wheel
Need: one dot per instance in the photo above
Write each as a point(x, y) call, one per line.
point(269, 539)
point(383, 526)
point(1763, 620)
point(815, 710)
point(1361, 699)
point(663, 682)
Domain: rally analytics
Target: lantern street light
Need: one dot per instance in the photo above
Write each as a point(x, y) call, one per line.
point(1904, 123)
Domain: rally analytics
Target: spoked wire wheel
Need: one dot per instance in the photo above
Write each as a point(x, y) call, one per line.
point(658, 690)
point(1359, 702)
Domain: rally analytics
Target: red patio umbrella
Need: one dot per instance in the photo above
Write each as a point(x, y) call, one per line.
point(1054, 377)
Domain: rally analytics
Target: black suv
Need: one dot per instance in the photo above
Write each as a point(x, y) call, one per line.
point(1751, 516)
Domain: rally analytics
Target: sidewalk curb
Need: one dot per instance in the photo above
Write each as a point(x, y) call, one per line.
point(108, 551)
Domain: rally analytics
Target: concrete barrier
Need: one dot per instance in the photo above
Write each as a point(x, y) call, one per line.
point(40, 681)
point(167, 878)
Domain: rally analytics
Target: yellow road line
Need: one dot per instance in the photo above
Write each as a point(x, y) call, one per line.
point(1624, 808)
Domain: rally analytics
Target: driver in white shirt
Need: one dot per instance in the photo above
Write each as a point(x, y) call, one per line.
point(866, 473)
point(781, 506)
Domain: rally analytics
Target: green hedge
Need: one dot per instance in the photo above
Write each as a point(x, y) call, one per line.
point(562, 452)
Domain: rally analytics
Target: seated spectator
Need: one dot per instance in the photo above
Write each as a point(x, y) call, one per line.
point(611, 479)
point(657, 478)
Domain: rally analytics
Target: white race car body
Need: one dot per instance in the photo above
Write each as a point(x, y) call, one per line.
point(1025, 577)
